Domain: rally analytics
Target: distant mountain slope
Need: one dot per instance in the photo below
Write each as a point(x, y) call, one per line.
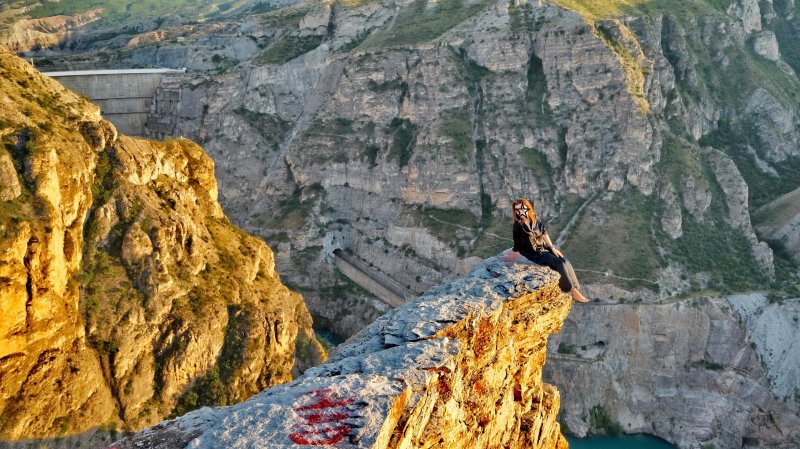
point(127, 295)
point(29, 25)
point(401, 130)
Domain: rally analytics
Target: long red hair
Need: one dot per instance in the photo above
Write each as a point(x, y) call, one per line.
point(526, 203)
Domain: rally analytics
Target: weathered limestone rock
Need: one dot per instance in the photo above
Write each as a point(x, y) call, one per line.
point(749, 13)
point(696, 198)
point(688, 372)
point(766, 45)
point(459, 367)
point(771, 328)
point(9, 183)
point(775, 125)
point(136, 245)
point(163, 298)
point(672, 219)
point(735, 189)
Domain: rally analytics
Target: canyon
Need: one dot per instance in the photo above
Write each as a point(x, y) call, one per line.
point(658, 141)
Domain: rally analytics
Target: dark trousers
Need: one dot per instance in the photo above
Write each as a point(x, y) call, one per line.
point(568, 279)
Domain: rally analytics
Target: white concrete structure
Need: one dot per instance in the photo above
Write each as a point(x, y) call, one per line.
point(124, 96)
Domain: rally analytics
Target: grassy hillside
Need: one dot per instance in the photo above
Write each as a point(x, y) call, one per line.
point(122, 12)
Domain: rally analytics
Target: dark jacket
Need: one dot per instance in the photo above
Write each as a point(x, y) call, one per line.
point(530, 242)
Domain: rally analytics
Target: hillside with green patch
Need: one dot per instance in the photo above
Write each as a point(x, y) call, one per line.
point(646, 132)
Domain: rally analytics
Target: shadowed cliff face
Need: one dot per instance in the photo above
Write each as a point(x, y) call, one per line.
point(127, 295)
point(459, 367)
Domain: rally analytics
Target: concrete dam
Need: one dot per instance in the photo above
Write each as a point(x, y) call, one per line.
point(124, 96)
point(382, 286)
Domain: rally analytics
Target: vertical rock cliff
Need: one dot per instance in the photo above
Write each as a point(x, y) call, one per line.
point(125, 293)
point(719, 372)
point(660, 123)
point(459, 367)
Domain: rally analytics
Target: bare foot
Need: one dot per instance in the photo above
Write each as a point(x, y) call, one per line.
point(577, 296)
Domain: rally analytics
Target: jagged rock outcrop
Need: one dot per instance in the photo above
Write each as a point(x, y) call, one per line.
point(702, 372)
point(459, 367)
point(735, 189)
point(127, 295)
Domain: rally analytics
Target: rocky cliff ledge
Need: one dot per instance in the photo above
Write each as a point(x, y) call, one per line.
point(126, 295)
point(459, 367)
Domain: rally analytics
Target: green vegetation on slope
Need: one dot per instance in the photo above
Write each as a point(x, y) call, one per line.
point(614, 235)
point(287, 48)
point(424, 20)
point(404, 136)
point(448, 225)
point(121, 12)
point(272, 127)
point(762, 187)
point(457, 125)
point(711, 245)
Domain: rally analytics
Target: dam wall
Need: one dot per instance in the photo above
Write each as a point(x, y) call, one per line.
point(385, 288)
point(124, 96)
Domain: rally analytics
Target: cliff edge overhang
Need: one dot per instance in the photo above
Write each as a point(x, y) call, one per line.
point(459, 366)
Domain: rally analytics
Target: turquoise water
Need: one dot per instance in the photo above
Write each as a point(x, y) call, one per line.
point(619, 442)
point(327, 338)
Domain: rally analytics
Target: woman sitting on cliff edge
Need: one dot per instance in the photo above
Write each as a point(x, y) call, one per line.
point(531, 240)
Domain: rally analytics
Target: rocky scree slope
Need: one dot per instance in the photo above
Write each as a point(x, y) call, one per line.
point(459, 367)
point(127, 295)
point(401, 130)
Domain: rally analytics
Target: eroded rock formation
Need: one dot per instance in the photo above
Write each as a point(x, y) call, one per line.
point(126, 294)
point(719, 371)
point(459, 367)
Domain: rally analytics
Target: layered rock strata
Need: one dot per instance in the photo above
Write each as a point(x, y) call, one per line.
point(127, 295)
point(705, 372)
point(459, 367)
point(604, 122)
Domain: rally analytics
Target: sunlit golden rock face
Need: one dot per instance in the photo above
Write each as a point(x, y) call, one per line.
point(126, 295)
point(459, 367)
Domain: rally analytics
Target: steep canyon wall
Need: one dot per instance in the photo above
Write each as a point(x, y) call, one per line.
point(704, 371)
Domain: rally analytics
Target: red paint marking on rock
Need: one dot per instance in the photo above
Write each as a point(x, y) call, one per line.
point(322, 437)
point(316, 430)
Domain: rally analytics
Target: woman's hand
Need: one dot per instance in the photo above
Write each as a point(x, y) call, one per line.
point(556, 252)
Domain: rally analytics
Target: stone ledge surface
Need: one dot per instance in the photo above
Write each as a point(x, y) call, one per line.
point(458, 367)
